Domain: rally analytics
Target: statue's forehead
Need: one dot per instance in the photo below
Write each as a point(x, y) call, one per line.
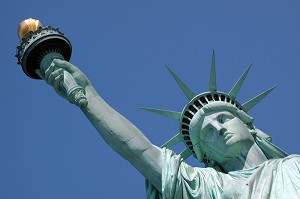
point(211, 116)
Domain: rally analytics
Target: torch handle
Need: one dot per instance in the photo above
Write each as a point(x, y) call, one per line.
point(75, 93)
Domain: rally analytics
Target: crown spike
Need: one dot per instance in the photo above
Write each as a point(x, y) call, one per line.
point(174, 140)
point(212, 82)
point(170, 114)
point(190, 94)
point(251, 103)
point(236, 88)
point(186, 153)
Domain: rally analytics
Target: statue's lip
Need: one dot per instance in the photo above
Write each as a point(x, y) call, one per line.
point(227, 135)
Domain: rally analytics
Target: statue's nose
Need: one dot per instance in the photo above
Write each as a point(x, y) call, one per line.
point(222, 131)
point(219, 127)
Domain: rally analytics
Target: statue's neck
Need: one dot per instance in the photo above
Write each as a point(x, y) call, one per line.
point(250, 157)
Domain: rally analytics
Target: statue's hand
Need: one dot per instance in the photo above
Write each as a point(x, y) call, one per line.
point(54, 75)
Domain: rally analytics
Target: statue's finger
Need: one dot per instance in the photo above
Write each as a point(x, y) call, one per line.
point(53, 75)
point(49, 71)
point(66, 65)
point(57, 80)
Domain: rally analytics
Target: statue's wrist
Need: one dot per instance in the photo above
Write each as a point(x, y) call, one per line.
point(91, 92)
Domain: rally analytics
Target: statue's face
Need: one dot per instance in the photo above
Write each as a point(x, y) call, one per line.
point(223, 136)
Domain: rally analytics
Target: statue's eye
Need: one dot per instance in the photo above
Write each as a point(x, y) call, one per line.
point(207, 134)
point(225, 118)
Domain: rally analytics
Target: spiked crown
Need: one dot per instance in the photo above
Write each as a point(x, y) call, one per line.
point(197, 102)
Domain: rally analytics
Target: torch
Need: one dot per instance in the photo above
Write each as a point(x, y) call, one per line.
point(38, 47)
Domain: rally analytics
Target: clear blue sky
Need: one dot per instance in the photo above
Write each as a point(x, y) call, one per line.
point(48, 149)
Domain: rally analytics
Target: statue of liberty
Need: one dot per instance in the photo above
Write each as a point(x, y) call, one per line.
point(240, 160)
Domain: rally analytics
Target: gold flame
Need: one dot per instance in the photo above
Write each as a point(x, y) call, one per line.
point(26, 26)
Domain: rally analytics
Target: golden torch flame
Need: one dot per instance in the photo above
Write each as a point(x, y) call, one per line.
point(26, 26)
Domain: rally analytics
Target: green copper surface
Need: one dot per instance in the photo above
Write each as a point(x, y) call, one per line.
point(213, 79)
point(251, 103)
point(236, 88)
point(170, 114)
point(189, 94)
point(174, 140)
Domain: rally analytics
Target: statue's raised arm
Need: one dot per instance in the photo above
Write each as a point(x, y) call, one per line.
point(120, 134)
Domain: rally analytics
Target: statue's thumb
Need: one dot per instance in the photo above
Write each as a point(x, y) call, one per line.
point(65, 65)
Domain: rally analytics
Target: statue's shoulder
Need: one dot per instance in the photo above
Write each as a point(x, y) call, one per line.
point(293, 157)
point(289, 161)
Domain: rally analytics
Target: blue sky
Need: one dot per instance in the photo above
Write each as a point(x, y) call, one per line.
point(48, 149)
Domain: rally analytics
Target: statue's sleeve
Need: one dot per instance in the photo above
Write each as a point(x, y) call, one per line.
point(180, 180)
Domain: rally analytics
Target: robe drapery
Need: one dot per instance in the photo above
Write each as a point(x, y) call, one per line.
point(274, 179)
